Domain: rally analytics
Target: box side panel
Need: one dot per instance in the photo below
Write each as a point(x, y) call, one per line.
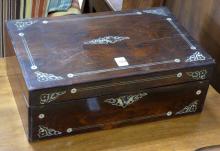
point(21, 104)
point(111, 111)
point(18, 85)
point(12, 65)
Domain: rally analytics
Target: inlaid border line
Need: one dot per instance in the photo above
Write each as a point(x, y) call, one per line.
point(33, 65)
point(182, 35)
point(88, 127)
point(98, 17)
point(127, 82)
point(71, 75)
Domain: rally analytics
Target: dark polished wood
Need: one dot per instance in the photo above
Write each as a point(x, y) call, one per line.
point(201, 18)
point(65, 72)
point(96, 114)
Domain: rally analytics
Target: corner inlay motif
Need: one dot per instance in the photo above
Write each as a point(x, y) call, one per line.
point(45, 77)
point(46, 132)
point(197, 56)
point(49, 97)
point(198, 75)
point(191, 108)
point(21, 25)
point(124, 101)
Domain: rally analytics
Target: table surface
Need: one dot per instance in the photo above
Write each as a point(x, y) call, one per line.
point(180, 134)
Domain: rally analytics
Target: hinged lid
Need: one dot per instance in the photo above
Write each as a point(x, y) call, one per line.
point(75, 50)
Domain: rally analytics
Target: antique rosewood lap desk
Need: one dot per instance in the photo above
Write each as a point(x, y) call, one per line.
point(91, 72)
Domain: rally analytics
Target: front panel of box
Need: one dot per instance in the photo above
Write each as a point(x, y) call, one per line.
point(117, 110)
point(119, 85)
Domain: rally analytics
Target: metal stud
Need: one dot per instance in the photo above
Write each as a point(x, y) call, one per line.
point(179, 75)
point(169, 19)
point(69, 130)
point(198, 92)
point(193, 48)
point(21, 34)
point(41, 116)
point(177, 60)
point(33, 67)
point(45, 22)
point(169, 113)
point(74, 90)
point(70, 75)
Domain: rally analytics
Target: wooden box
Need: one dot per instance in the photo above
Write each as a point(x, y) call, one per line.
point(91, 72)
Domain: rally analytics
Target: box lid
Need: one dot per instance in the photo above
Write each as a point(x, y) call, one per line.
point(72, 50)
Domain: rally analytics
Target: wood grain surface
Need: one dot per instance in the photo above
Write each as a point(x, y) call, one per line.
point(131, 4)
point(202, 19)
point(118, 5)
point(180, 134)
